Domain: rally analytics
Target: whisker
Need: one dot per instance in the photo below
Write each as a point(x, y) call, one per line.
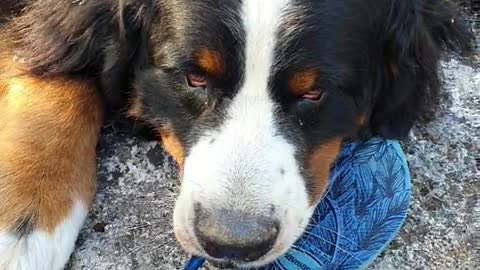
point(161, 245)
point(335, 245)
point(142, 225)
point(304, 251)
point(329, 187)
point(330, 230)
point(139, 226)
point(148, 243)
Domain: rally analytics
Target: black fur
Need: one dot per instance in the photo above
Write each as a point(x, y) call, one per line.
point(378, 58)
point(8, 8)
point(415, 36)
point(94, 39)
point(25, 225)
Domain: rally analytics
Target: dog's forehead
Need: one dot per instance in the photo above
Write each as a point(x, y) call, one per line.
point(229, 27)
point(282, 37)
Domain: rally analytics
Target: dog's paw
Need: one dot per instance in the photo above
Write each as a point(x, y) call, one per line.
point(30, 248)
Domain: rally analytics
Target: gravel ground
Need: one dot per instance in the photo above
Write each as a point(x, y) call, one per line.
point(130, 228)
point(130, 224)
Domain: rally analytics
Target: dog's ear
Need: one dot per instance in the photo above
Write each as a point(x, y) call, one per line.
point(89, 38)
point(414, 34)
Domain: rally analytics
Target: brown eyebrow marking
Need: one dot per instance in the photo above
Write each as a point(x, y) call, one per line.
point(361, 120)
point(211, 61)
point(303, 81)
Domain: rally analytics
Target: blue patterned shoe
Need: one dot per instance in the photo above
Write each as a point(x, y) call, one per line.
point(363, 210)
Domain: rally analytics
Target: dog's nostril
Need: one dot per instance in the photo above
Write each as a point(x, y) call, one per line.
point(229, 234)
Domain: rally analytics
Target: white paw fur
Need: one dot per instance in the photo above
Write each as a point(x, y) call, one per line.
point(41, 250)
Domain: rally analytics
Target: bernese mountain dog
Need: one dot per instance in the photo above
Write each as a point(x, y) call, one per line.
point(252, 98)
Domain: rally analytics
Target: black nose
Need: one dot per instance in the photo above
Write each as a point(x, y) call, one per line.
point(232, 235)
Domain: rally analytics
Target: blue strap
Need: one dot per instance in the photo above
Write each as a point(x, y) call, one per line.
point(194, 263)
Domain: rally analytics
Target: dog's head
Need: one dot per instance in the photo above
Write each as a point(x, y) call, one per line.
point(252, 98)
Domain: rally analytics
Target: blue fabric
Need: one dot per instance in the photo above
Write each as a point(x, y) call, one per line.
point(364, 207)
point(194, 263)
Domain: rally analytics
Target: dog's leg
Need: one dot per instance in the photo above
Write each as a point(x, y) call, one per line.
point(48, 134)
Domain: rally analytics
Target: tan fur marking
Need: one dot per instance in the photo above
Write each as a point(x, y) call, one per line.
point(169, 140)
point(319, 163)
point(302, 82)
point(173, 146)
point(394, 70)
point(210, 61)
point(48, 134)
point(361, 120)
point(136, 108)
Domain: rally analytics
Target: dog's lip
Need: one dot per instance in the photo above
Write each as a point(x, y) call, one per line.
point(234, 264)
point(226, 264)
point(196, 250)
point(222, 264)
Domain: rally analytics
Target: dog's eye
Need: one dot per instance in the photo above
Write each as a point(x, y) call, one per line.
point(313, 95)
point(196, 80)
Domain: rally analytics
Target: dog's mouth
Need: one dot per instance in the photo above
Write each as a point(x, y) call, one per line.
point(191, 246)
point(237, 264)
point(227, 264)
point(230, 256)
